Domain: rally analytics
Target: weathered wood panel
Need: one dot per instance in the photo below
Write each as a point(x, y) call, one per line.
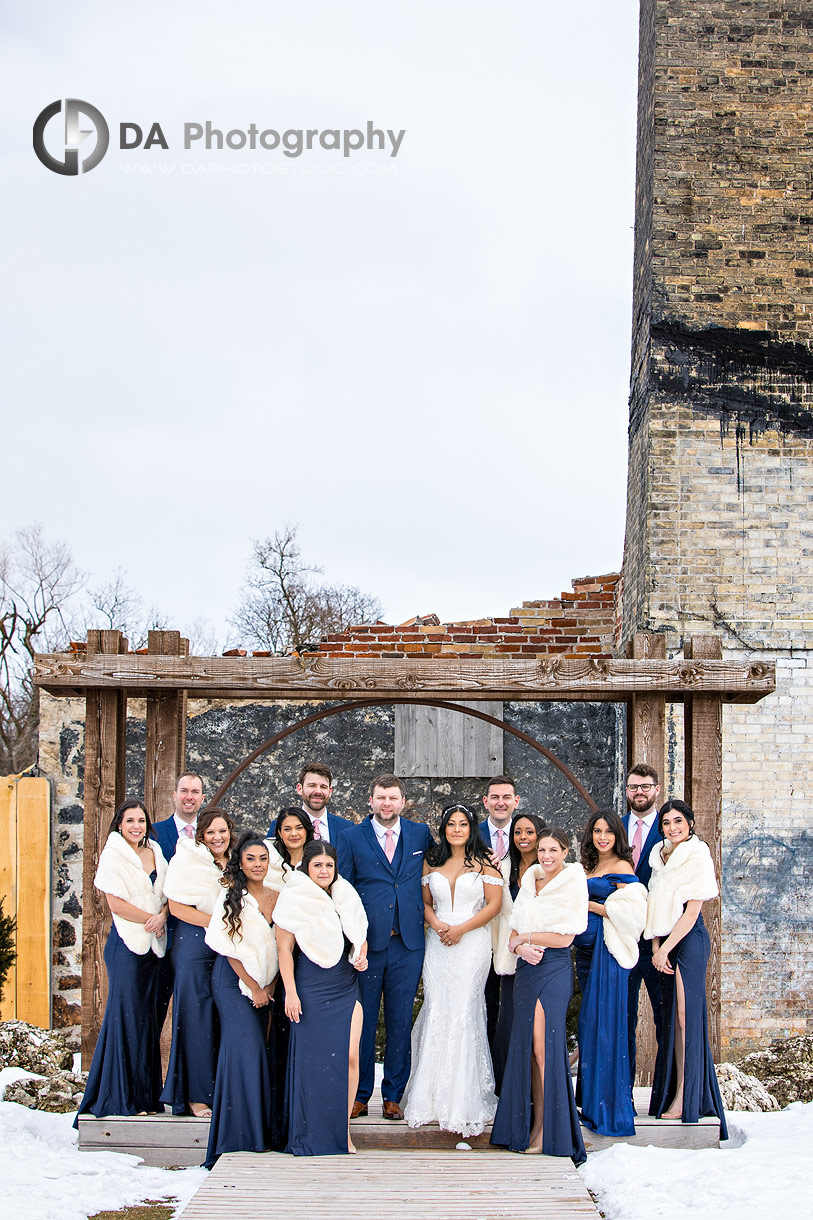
point(105, 722)
point(437, 742)
point(537, 678)
point(703, 787)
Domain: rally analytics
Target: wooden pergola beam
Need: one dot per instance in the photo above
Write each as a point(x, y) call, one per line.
point(316, 676)
point(165, 752)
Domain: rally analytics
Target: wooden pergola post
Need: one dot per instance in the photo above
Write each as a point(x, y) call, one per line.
point(646, 743)
point(105, 724)
point(703, 790)
point(166, 731)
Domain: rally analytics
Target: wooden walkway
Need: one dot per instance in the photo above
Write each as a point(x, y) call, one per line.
point(170, 1141)
point(407, 1185)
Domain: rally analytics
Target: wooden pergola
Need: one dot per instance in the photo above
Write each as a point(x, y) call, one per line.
point(106, 674)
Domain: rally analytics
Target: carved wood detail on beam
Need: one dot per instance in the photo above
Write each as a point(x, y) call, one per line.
point(537, 678)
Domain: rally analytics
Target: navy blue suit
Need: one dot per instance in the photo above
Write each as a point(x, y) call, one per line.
point(336, 827)
point(166, 832)
point(643, 971)
point(393, 900)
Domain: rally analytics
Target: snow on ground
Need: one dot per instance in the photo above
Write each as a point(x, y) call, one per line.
point(45, 1177)
point(764, 1168)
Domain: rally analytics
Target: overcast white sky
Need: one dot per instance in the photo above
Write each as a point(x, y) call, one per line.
point(424, 361)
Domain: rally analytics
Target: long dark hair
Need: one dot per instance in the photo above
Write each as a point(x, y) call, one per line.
point(315, 849)
point(681, 807)
point(307, 825)
point(132, 802)
point(588, 850)
point(205, 820)
point(514, 854)
point(235, 881)
point(475, 850)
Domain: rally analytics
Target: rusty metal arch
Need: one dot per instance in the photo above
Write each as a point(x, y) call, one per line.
point(355, 704)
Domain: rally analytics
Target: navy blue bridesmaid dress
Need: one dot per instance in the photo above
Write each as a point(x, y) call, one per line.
point(551, 982)
point(244, 1099)
point(195, 1023)
point(318, 1058)
point(502, 1033)
point(701, 1092)
point(125, 1074)
point(603, 1087)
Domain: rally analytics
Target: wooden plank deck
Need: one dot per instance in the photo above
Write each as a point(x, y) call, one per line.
point(405, 1185)
point(166, 1140)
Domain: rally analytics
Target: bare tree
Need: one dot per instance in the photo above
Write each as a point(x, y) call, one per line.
point(284, 606)
point(114, 605)
point(37, 580)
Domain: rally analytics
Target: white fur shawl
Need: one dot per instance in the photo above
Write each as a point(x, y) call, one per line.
point(121, 874)
point(320, 921)
point(278, 871)
point(687, 874)
point(254, 947)
point(624, 918)
point(193, 878)
point(504, 961)
point(561, 907)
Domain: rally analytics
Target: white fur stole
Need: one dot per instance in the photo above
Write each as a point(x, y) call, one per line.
point(687, 874)
point(624, 919)
point(504, 961)
point(561, 907)
point(193, 878)
point(278, 870)
point(320, 921)
point(121, 874)
point(254, 947)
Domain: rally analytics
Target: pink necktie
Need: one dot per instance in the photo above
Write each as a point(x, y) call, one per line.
point(189, 832)
point(389, 844)
point(500, 844)
point(317, 834)
point(637, 843)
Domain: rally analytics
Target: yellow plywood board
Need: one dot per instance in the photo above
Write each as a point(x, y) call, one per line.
point(34, 902)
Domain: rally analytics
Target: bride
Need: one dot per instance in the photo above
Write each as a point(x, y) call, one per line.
point(452, 1081)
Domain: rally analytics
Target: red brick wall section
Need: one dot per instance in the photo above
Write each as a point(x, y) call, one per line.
point(581, 623)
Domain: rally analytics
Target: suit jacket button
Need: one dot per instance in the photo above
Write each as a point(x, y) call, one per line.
point(391, 905)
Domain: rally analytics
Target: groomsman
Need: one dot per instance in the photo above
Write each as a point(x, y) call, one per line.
point(383, 858)
point(641, 825)
point(500, 800)
point(315, 787)
point(187, 799)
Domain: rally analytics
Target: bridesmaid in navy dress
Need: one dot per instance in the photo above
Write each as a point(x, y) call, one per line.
point(192, 885)
point(604, 1089)
point(522, 840)
point(243, 979)
point(125, 1075)
point(537, 1109)
point(685, 1084)
point(321, 914)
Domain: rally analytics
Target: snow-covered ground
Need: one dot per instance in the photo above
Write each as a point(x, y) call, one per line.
point(45, 1177)
point(764, 1169)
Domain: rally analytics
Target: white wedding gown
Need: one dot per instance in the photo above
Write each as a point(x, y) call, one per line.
point(452, 1080)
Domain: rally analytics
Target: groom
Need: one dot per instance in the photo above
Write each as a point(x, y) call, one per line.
point(383, 859)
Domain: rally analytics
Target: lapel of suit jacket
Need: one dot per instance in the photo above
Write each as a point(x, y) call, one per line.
point(376, 846)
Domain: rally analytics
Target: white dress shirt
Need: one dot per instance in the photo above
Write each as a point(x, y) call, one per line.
point(492, 830)
point(181, 824)
point(381, 831)
point(321, 822)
